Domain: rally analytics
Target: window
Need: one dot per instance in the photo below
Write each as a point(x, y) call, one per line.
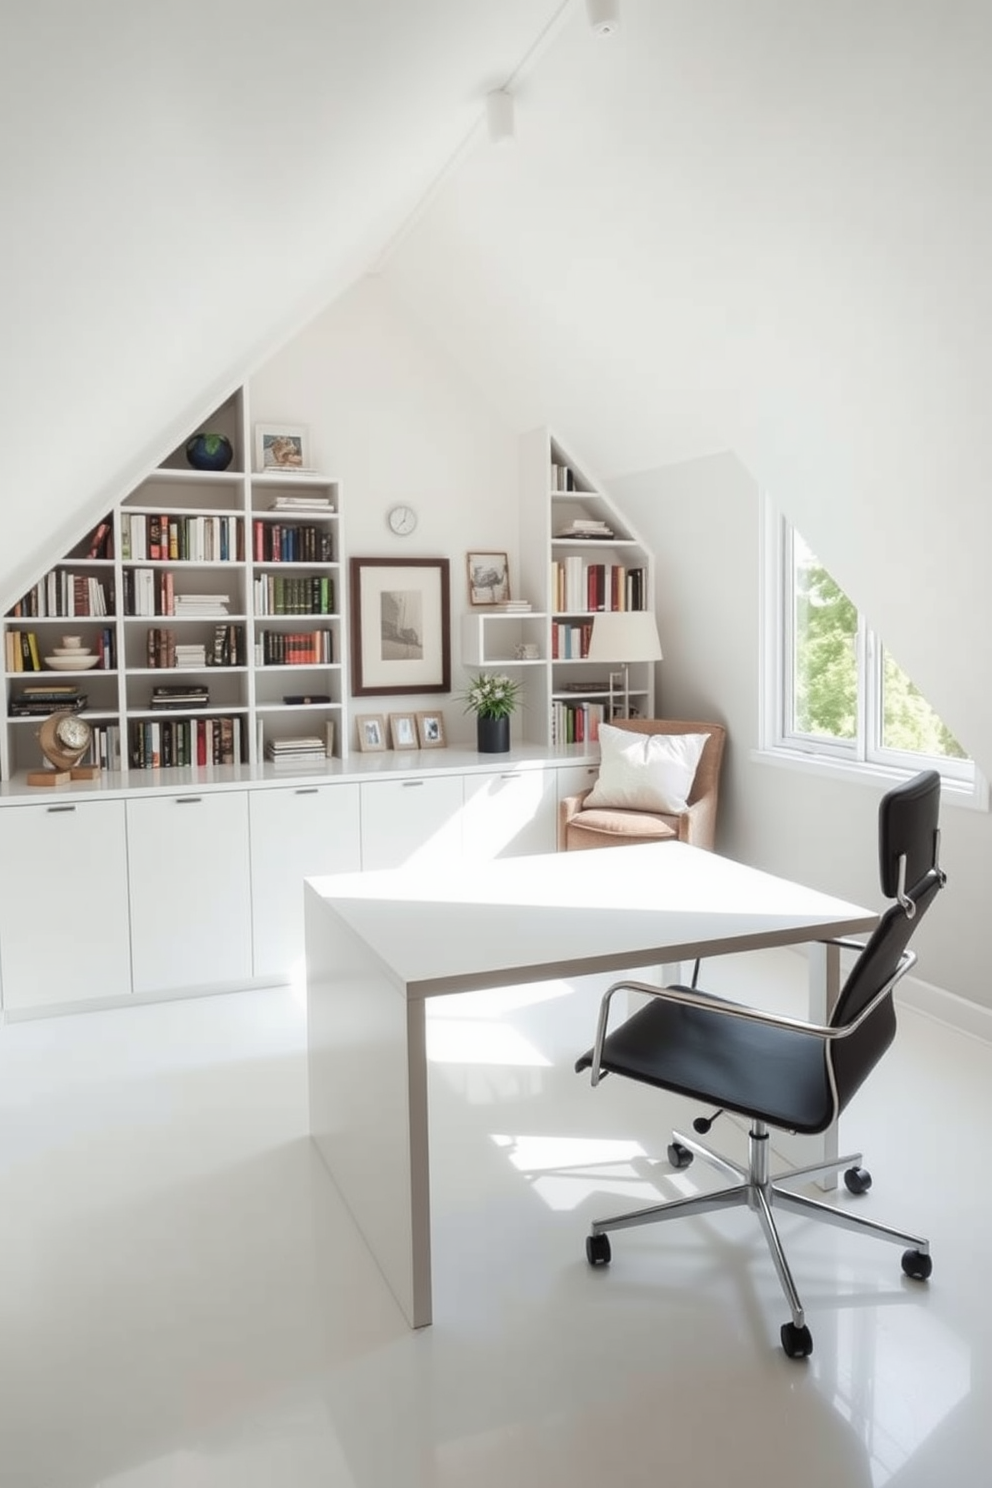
point(833, 694)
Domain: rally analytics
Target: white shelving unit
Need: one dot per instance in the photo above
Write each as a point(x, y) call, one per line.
point(574, 578)
point(275, 633)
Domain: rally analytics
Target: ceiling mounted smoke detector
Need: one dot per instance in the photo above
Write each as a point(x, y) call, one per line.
point(604, 16)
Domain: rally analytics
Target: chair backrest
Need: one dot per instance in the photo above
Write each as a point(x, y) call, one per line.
point(707, 778)
point(910, 872)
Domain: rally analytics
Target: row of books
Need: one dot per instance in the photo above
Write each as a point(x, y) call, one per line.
point(227, 649)
point(150, 537)
point(150, 591)
point(578, 722)
point(63, 594)
point(291, 542)
point(155, 743)
point(278, 594)
point(105, 746)
point(578, 585)
point(293, 648)
point(562, 477)
point(570, 642)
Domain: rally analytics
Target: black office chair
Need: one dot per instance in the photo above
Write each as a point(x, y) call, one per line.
point(782, 1072)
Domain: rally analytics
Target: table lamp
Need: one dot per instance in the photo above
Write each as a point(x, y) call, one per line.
point(624, 636)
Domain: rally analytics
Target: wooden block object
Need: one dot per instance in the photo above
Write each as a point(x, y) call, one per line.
point(49, 777)
point(85, 772)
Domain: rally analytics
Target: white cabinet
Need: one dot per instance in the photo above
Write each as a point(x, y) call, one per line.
point(296, 833)
point(509, 813)
point(63, 903)
point(413, 820)
point(189, 877)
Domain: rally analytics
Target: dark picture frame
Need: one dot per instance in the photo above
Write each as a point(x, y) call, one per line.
point(400, 625)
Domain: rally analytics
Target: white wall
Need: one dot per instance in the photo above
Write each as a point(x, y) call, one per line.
point(394, 420)
point(703, 520)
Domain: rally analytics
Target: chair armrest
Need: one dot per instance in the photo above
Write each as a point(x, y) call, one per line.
point(568, 807)
point(689, 998)
point(697, 823)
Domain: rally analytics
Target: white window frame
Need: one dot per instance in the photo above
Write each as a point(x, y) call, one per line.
point(862, 757)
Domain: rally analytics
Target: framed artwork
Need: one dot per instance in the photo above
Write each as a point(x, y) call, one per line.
point(403, 730)
point(400, 625)
point(430, 730)
point(371, 732)
point(284, 447)
point(488, 578)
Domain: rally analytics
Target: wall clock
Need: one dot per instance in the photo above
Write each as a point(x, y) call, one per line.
point(402, 520)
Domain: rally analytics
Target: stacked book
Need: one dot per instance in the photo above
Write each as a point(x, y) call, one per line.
point(511, 606)
point(30, 701)
point(314, 503)
point(201, 604)
point(190, 654)
point(180, 696)
point(586, 527)
point(295, 751)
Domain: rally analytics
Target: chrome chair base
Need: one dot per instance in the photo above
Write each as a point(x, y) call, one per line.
point(755, 1189)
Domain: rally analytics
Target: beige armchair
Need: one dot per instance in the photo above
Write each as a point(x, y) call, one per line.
point(614, 826)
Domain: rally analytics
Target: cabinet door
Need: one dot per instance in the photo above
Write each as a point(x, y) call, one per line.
point(63, 903)
point(575, 778)
point(188, 870)
point(509, 813)
point(296, 833)
point(411, 821)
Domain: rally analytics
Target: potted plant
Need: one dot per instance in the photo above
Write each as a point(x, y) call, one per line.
point(492, 698)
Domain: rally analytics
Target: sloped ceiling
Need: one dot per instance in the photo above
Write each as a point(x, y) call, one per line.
point(761, 226)
point(182, 185)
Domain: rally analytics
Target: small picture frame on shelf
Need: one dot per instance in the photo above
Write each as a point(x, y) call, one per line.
point(371, 732)
point(430, 730)
point(403, 730)
point(282, 448)
point(488, 578)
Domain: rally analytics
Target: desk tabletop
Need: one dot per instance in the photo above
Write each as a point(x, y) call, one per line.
point(570, 914)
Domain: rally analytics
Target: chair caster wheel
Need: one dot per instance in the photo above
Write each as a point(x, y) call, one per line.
point(916, 1264)
point(598, 1251)
point(679, 1156)
point(857, 1180)
point(797, 1342)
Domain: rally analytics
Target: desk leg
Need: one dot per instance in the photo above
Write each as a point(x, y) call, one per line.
point(367, 1065)
point(824, 989)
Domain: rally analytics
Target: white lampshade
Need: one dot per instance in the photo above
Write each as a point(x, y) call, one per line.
point(624, 635)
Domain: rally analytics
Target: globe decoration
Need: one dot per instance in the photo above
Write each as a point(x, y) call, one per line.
point(206, 451)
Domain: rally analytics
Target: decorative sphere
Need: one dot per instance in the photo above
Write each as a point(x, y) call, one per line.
point(209, 451)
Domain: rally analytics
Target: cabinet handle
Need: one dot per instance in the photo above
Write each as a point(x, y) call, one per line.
point(59, 808)
point(408, 783)
point(188, 800)
point(306, 790)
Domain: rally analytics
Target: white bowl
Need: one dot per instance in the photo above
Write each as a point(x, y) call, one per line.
point(71, 663)
point(72, 643)
point(71, 651)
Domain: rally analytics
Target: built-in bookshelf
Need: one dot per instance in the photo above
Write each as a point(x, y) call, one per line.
point(579, 557)
point(210, 610)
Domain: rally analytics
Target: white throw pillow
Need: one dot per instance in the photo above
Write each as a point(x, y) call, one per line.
point(645, 772)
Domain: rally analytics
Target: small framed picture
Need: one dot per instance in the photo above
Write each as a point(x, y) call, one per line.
point(488, 578)
point(430, 730)
point(403, 730)
point(282, 447)
point(371, 732)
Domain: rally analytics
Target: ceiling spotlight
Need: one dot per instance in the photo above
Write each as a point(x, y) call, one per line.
point(604, 16)
point(499, 116)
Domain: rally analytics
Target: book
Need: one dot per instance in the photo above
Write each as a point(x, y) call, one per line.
point(302, 699)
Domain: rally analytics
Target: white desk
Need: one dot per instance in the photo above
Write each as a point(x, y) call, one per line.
point(379, 944)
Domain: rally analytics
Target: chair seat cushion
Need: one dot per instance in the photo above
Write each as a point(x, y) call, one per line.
point(771, 1074)
point(625, 824)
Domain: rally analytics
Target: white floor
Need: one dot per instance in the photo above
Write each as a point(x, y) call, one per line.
point(185, 1304)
